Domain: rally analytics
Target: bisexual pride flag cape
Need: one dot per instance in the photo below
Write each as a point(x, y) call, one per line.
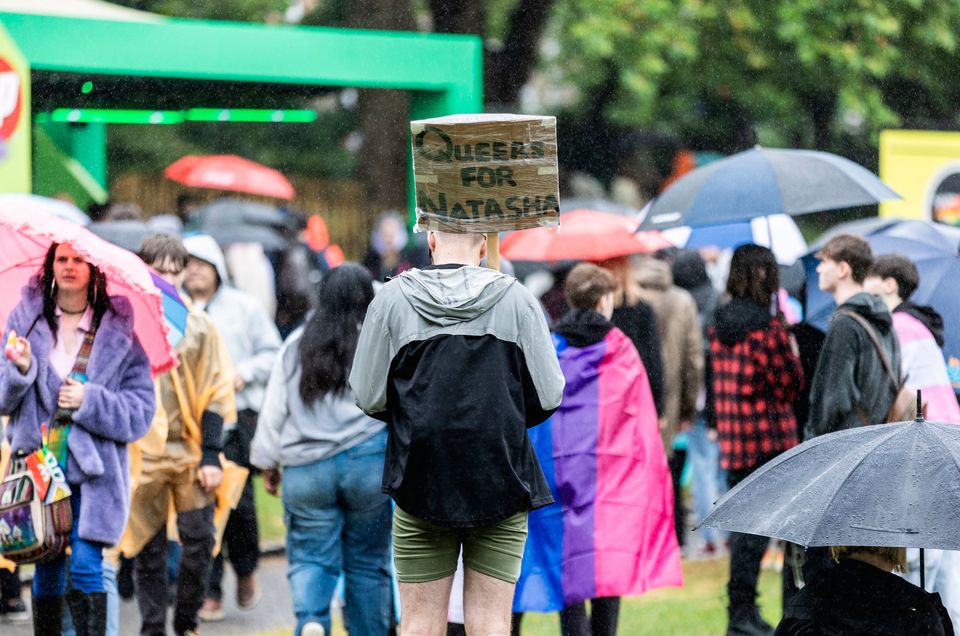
point(611, 531)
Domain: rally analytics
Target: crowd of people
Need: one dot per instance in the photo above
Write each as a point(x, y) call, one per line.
point(422, 414)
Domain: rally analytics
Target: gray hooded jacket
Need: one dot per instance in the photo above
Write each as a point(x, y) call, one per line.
point(459, 361)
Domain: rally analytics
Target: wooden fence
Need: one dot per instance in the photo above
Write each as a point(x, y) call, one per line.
point(341, 202)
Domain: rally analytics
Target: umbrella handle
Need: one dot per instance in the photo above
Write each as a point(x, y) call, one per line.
point(923, 569)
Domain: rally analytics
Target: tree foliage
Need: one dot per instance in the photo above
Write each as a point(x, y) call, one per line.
point(801, 72)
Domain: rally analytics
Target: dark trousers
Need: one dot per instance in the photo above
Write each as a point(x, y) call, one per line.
point(9, 584)
point(604, 615)
point(196, 537)
point(676, 462)
point(241, 538)
point(746, 554)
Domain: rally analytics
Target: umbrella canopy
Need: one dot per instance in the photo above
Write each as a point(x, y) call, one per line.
point(934, 250)
point(43, 205)
point(226, 235)
point(229, 211)
point(25, 237)
point(229, 172)
point(584, 235)
point(764, 181)
point(788, 242)
point(128, 233)
point(175, 311)
point(894, 485)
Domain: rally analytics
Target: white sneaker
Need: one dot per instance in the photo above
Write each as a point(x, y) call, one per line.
point(313, 629)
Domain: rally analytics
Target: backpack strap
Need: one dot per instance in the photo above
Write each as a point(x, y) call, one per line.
point(875, 339)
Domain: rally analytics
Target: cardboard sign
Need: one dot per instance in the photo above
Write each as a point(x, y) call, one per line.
point(486, 173)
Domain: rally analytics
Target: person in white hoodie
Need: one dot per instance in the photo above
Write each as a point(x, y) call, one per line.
point(331, 456)
point(253, 342)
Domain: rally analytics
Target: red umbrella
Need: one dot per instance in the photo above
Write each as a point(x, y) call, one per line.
point(584, 235)
point(229, 172)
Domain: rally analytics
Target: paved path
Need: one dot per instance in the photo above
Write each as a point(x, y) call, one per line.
point(273, 612)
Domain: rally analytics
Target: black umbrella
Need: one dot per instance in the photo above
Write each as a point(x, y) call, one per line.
point(229, 211)
point(894, 485)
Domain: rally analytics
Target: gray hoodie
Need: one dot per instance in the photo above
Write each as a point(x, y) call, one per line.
point(291, 433)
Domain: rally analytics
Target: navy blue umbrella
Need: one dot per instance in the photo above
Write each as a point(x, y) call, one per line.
point(761, 182)
point(934, 250)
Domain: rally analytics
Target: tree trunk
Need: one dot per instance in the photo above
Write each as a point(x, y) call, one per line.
point(507, 70)
point(384, 116)
point(822, 108)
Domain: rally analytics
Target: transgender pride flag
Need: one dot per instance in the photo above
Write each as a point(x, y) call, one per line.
point(611, 534)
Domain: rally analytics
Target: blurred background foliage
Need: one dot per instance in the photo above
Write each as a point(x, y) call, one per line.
point(631, 82)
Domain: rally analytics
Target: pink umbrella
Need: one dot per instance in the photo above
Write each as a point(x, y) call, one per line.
point(25, 237)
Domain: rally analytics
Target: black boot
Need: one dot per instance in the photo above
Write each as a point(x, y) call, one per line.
point(89, 612)
point(77, 602)
point(745, 620)
point(47, 616)
point(97, 614)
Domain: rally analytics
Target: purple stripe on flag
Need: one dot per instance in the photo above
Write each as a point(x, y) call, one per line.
point(575, 431)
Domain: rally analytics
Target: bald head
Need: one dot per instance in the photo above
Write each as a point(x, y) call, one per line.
point(448, 247)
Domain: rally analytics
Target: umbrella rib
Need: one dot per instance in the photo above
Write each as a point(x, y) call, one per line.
point(873, 446)
point(945, 447)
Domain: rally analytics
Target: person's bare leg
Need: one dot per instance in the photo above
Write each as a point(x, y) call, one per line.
point(487, 604)
point(423, 607)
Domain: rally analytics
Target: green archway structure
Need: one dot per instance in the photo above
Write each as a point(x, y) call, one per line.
point(152, 62)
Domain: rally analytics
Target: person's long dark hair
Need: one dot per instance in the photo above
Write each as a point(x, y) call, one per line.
point(754, 275)
point(96, 292)
point(330, 336)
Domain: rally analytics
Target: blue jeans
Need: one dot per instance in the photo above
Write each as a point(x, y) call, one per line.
point(709, 480)
point(86, 563)
point(337, 519)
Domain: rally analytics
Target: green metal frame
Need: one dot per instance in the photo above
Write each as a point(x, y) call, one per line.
point(443, 71)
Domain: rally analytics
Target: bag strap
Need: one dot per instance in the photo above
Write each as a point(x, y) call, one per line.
point(79, 368)
point(871, 332)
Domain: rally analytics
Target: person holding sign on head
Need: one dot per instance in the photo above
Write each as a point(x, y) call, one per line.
point(458, 361)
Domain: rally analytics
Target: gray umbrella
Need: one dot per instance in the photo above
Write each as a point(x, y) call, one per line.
point(762, 182)
point(224, 212)
point(128, 234)
point(895, 485)
point(271, 240)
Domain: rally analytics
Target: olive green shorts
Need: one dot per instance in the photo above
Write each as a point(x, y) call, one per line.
point(424, 552)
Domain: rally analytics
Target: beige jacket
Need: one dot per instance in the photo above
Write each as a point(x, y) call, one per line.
point(681, 343)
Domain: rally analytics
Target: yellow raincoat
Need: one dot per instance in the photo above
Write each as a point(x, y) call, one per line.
point(202, 382)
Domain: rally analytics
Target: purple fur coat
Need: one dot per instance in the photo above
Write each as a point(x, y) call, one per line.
point(118, 407)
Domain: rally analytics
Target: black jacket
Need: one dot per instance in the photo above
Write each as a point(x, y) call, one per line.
point(459, 362)
point(858, 599)
point(850, 387)
point(639, 323)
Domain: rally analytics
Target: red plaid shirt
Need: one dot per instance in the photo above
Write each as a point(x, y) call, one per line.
point(754, 381)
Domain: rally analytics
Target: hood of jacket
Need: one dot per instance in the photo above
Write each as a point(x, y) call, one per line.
point(449, 294)
point(734, 320)
point(689, 270)
point(926, 314)
point(204, 247)
point(583, 327)
point(651, 273)
point(871, 308)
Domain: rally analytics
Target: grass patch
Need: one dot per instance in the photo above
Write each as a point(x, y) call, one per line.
point(269, 515)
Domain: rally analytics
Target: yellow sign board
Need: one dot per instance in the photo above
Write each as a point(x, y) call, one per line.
point(924, 168)
point(14, 117)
